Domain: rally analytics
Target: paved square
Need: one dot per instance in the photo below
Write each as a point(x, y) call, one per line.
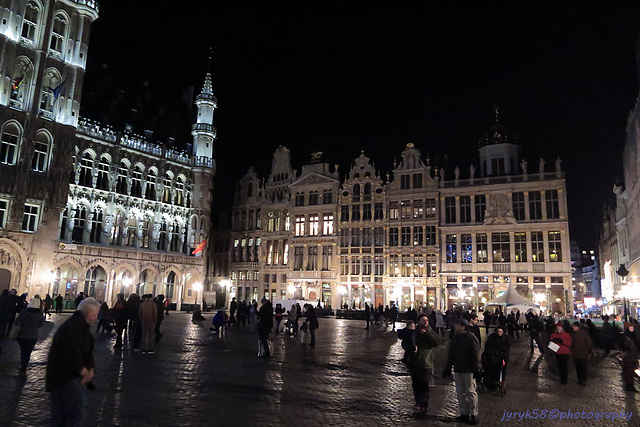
point(352, 377)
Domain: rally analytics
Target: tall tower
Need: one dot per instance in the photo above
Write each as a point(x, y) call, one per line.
point(204, 166)
point(499, 150)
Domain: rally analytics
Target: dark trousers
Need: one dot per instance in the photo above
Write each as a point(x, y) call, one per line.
point(137, 336)
point(420, 379)
point(58, 308)
point(563, 367)
point(628, 374)
point(367, 319)
point(120, 328)
point(26, 347)
point(535, 338)
point(312, 331)
point(157, 331)
point(581, 369)
point(278, 321)
point(264, 335)
point(68, 404)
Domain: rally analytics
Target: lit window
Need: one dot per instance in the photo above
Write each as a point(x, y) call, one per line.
point(40, 153)
point(30, 218)
point(9, 147)
point(58, 34)
point(327, 224)
point(30, 22)
point(300, 225)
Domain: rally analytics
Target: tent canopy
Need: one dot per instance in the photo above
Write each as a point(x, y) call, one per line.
point(511, 299)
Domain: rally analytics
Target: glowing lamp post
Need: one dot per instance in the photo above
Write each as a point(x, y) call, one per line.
point(197, 287)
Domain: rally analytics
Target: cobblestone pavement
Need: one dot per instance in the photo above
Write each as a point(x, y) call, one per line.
point(352, 377)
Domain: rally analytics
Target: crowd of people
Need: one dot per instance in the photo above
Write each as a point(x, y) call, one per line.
point(470, 364)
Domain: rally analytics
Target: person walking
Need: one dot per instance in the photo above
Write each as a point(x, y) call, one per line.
point(159, 300)
point(121, 315)
point(487, 322)
point(474, 328)
point(440, 325)
point(48, 303)
point(367, 314)
point(29, 321)
point(421, 364)
point(59, 303)
point(232, 311)
point(293, 318)
point(70, 365)
point(580, 349)
point(148, 314)
point(265, 325)
point(279, 312)
point(312, 322)
point(103, 318)
point(6, 312)
point(563, 340)
point(535, 329)
point(630, 353)
point(464, 357)
point(393, 316)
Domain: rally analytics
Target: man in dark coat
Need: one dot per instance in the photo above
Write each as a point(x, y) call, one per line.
point(265, 325)
point(393, 315)
point(367, 314)
point(121, 316)
point(232, 311)
point(535, 329)
point(580, 349)
point(59, 302)
point(312, 320)
point(160, 302)
point(473, 326)
point(464, 358)
point(70, 365)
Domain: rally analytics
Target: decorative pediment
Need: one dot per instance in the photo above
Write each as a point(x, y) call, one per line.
point(313, 179)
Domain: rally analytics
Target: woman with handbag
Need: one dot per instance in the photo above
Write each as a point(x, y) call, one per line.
point(26, 326)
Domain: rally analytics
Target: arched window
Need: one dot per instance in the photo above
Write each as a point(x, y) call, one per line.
point(136, 182)
point(131, 231)
point(51, 87)
point(21, 79)
point(147, 284)
point(96, 226)
point(171, 283)
point(40, 152)
point(30, 22)
point(66, 282)
point(175, 238)
point(162, 243)
point(94, 280)
point(147, 226)
point(79, 223)
point(150, 192)
point(64, 221)
point(121, 186)
point(355, 196)
point(58, 35)
point(10, 143)
point(367, 192)
point(86, 170)
point(179, 200)
point(166, 197)
point(250, 190)
point(103, 174)
point(116, 229)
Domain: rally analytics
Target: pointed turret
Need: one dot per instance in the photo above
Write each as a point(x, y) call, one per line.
point(203, 131)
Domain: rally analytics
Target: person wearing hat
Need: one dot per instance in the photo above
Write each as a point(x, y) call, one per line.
point(29, 321)
point(464, 357)
point(563, 339)
point(580, 349)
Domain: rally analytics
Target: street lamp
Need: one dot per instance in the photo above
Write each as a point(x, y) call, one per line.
point(197, 287)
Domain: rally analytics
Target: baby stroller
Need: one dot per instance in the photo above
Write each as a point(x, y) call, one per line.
point(288, 329)
point(493, 367)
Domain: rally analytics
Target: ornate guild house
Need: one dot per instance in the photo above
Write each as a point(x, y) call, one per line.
point(84, 208)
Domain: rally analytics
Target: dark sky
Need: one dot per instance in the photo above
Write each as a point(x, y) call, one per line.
point(343, 76)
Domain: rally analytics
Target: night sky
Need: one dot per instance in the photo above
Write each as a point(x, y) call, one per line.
point(342, 77)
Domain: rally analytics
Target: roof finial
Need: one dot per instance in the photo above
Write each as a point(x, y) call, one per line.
point(210, 59)
point(497, 112)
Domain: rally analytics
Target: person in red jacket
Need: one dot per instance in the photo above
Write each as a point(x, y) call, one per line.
point(563, 339)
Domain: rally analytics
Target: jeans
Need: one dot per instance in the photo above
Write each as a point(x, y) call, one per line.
point(581, 369)
point(563, 368)
point(467, 394)
point(26, 347)
point(264, 335)
point(68, 404)
point(420, 378)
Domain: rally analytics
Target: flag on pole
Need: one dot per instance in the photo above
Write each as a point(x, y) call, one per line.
point(200, 247)
point(17, 82)
point(56, 91)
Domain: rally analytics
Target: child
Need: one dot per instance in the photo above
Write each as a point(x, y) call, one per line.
point(408, 337)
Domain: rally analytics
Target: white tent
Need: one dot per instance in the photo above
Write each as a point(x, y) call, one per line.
point(512, 300)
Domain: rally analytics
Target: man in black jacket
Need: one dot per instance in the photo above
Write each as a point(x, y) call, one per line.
point(265, 325)
point(464, 357)
point(70, 365)
point(474, 328)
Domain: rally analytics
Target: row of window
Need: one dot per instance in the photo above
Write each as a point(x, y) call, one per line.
point(356, 237)
point(316, 258)
point(413, 209)
point(132, 182)
point(413, 236)
point(460, 248)
point(314, 198)
point(526, 206)
point(364, 212)
point(10, 146)
point(59, 32)
point(30, 216)
point(310, 225)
